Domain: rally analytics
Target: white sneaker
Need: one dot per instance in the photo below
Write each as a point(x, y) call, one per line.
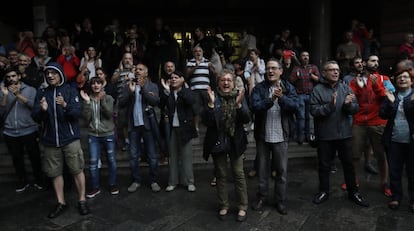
point(133, 187)
point(191, 188)
point(170, 188)
point(155, 187)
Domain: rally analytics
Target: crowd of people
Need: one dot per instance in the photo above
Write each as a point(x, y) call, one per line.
point(116, 84)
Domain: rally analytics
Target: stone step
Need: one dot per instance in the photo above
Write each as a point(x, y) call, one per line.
point(295, 151)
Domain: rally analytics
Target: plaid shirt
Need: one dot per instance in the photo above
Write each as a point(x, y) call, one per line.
point(301, 79)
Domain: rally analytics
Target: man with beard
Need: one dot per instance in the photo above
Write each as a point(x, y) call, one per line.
point(370, 89)
point(20, 131)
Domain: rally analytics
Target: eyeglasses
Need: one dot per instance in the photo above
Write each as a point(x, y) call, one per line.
point(333, 69)
point(402, 77)
point(272, 68)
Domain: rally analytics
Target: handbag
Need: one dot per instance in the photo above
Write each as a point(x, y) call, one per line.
point(222, 144)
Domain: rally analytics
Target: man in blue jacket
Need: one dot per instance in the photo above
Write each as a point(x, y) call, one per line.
point(57, 108)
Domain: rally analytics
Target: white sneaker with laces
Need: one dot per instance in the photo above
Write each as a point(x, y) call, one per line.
point(155, 187)
point(191, 188)
point(133, 187)
point(170, 188)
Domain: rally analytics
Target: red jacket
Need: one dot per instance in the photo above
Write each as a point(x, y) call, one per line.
point(369, 99)
point(70, 67)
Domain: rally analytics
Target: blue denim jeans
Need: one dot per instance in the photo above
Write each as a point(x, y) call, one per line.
point(275, 154)
point(400, 158)
point(136, 149)
point(303, 116)
point(95, 144)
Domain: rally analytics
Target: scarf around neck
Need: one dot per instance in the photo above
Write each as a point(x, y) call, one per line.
point(228, 109)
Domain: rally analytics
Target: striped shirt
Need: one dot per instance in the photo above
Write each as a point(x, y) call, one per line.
point(201, 76)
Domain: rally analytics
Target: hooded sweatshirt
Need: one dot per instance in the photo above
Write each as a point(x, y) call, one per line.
point(19, 122)
point(60, 126)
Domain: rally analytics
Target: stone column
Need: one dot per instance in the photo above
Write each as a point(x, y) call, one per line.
point(320, 32)
point(44, 12)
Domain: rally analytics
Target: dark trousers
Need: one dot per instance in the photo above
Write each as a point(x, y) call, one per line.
point(398, 155)
point(17, 147)
point(326, 152)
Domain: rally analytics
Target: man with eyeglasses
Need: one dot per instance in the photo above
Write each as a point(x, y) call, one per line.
point(272, 101)
point(58, 109)
point(331, 104)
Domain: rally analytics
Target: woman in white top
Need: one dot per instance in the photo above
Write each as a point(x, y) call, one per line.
point(89, 62)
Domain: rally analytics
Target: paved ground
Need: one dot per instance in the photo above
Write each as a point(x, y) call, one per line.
point(182, 210)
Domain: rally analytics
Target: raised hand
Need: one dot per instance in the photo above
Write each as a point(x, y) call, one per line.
point(349, 98)
point(14, 88)
point(374, 79)
point(85, 96)
point(85, 54)
point(165, 84)
point(43, 104)
point(60, 100)
point(359, 81)
point(4, 89)
point(211, 95)
point(333, 99)
point(132, 85)
point(390, 96)
point(240, 96)
point(101, 95)
point(141, 81)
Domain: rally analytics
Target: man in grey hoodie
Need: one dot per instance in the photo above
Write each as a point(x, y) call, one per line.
point(20, 131)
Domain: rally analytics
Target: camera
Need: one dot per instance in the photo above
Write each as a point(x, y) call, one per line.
point(149, 110)
point(131, 76)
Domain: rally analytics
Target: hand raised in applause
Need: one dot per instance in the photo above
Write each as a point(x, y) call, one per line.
point(85, 96)
point(390, 96)
point(333, 98)
point(349, 98)
point(211, 96)
point(43, 104)
point(165, 84)
point(240, 97)
point(60, 100)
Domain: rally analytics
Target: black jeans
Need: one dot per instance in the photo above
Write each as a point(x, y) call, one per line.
point(17, 147)
point(326, 152)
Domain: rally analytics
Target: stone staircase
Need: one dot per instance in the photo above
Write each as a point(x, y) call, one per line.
point(7, 170)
